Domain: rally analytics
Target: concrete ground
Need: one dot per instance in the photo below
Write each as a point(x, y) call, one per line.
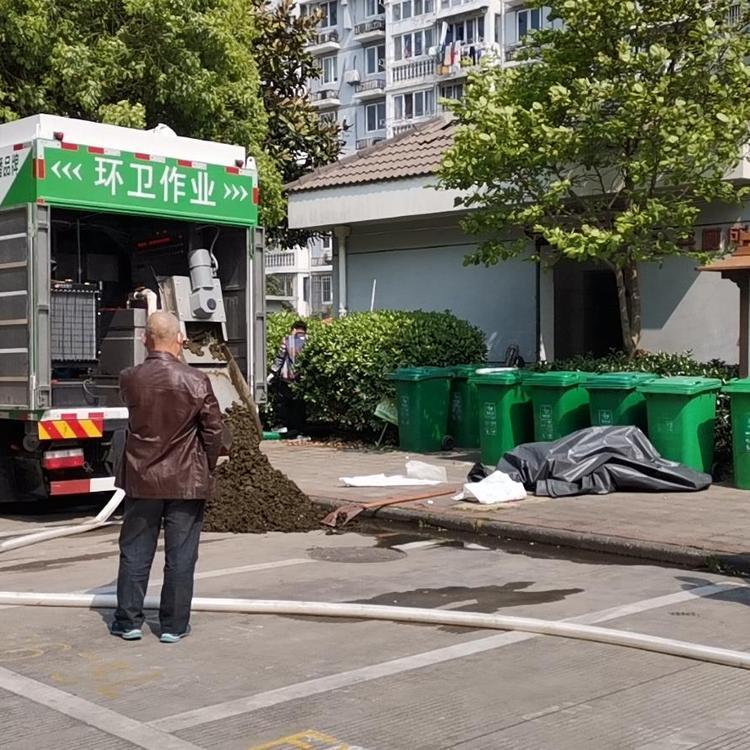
point(691, 528)
point(261, 682)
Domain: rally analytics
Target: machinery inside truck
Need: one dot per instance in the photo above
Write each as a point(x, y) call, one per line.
point(107, 272)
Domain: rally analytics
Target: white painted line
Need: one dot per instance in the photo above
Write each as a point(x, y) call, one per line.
point(114, 724)
point(216, 573)
point(351, 677)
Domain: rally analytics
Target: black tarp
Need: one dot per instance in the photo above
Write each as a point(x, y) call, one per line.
point(596, 461)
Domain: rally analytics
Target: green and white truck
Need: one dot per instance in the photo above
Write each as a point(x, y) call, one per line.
point(100, 225)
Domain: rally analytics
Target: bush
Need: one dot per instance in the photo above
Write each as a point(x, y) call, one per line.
point(345, 364)
point(664, 364)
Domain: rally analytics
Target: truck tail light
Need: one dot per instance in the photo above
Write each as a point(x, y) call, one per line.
point(72, 458)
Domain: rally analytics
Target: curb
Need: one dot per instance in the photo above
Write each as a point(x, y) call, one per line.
point(671, 554)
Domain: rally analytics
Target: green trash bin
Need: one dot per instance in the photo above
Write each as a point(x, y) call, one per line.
point(506, 417)
point(739, 395)
point(681, 416)
point(561, 403)
point(422, 401)
point(463, 419)
point(614, 400)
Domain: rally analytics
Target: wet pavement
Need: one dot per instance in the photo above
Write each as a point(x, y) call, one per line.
point(697, 529)
point(244, 682)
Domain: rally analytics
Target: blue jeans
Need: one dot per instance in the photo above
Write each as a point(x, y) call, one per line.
point(138, 538)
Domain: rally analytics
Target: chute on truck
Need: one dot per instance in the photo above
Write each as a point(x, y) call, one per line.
point(99, 225)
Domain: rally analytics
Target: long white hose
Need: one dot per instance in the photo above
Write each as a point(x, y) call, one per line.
point(725, 657)
point(101, 519)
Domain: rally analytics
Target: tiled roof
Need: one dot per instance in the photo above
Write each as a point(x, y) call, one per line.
point(411, 154)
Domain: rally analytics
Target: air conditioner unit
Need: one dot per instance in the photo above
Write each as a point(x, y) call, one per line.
point(351, 76)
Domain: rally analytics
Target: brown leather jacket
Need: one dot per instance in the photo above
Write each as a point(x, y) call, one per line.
point(174, 431)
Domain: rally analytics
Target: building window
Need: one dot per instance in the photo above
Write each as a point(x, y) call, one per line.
point(452, 91)
point(417, 104)
point(470, 30)
point(374, 8)
point(330, 14)
point(326, 290)
point(329, 69)
point(411, 8)
point(413, 44)
point(326, 243)
point(375, 117)
point(280, 285)
point(305, 288)
point(528, 20)
point(375, 59)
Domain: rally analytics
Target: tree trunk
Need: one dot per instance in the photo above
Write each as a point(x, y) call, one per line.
point(629, 304)
point(633, 286)
point(624, 307)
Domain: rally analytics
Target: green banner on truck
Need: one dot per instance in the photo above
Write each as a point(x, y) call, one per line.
point(77, 176)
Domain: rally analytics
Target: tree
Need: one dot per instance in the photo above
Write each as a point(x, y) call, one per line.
point(206, 68)
point(621, 120)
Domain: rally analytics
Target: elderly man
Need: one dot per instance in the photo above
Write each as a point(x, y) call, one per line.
point(173, 443)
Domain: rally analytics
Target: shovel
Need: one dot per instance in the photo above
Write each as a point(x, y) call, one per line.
point(341, 516)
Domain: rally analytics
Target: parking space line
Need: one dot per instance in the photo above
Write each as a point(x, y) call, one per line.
point(115, 724)
point(308, 688)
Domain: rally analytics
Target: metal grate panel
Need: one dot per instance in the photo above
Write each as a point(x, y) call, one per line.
point(74, 323)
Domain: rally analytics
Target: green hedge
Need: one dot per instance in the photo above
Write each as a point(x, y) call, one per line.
point(665, 365)
point(345, 365)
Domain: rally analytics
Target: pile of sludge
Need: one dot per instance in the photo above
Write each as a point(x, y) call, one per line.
point(251, 496)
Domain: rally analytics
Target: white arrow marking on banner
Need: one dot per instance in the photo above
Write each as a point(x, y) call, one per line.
point(227, 191)
point(244, 192)
point(56, 168)
point(77, 171)
point(66, 170)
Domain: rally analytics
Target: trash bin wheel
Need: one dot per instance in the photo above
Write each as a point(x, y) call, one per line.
point(448, 443)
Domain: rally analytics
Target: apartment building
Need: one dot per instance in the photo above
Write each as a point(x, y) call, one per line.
point(387, 64)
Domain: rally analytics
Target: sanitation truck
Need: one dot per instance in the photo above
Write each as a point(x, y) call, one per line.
point(99, 226)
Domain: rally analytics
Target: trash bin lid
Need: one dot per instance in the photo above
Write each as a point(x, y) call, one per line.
point(465, 371)
point(619, 381)
point(420, 373)
point(737, 386)
point(557, 379)
point(681, 385)
point(497, 376)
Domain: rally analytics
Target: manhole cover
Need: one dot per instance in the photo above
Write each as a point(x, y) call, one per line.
point(355, 554)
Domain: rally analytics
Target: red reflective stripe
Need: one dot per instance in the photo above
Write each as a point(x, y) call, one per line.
point(77, 428)
point(94, 149)
point(18, 146)
point(52, 430)
point(184, 163)
point(256, 195)
point(39, 169)
point(69, 146)
point(96, 415)
point(233, 170)
point(144, 157)
point(70, 487)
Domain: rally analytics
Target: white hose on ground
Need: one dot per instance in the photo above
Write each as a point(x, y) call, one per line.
point(101, 519)
point(711, 654)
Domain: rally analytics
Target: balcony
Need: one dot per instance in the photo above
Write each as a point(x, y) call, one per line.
point(468, 57)
point(280, 260)
point(370, 30)
point(374, 88)
point(447, 8)
point(417, 70)
point(324, 43)
point(321, 261)
point(325, 99)
point(364, 143)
